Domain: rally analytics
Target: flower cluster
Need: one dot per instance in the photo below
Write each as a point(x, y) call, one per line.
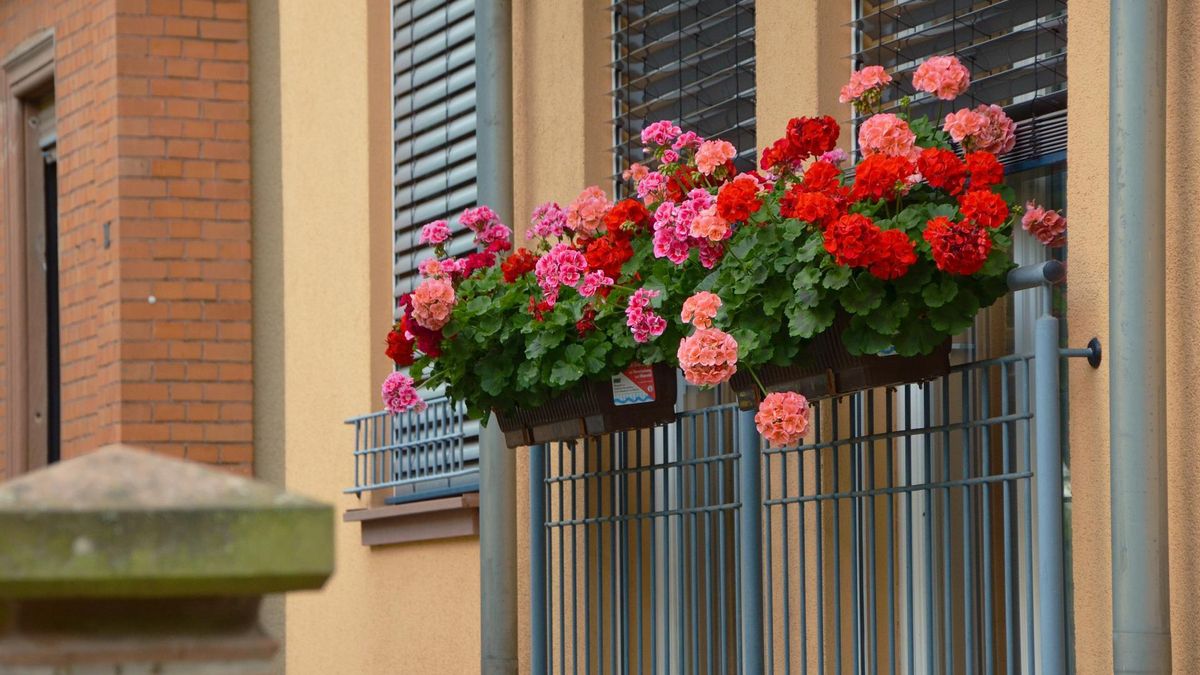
point(782, 418)
point(400, 395)
point(640, 316)
point(899, 251)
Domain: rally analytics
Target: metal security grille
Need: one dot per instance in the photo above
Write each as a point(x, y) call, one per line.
point(901, 539)
point(639, 534)
point(690, 61)
point(1016, 51)
point(434, 135)
point(919, 530)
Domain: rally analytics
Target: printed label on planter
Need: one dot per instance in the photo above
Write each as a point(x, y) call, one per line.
point(634, 385)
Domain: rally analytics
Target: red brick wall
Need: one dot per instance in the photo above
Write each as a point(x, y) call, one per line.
point(153, 107)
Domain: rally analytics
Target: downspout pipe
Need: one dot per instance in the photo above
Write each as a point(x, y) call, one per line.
point(1137, 334)
point(497, 462)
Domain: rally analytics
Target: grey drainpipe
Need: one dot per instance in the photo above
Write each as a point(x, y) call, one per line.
point(497, 463)
point(1137, 333)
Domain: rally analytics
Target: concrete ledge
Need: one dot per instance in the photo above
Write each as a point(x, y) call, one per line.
point(418, 521)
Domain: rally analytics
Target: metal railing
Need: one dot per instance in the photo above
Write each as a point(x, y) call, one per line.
point(918, 530)
point(416, 454)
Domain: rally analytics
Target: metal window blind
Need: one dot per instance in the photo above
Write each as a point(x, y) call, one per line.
point(1016, 51)
point(690, 61)
point(433, 94)
point(433, 107)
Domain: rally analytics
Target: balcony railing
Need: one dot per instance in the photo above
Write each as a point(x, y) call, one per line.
point(416, 455)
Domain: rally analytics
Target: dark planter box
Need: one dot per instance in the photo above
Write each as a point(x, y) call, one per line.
point(829, 371)
point(589, 410)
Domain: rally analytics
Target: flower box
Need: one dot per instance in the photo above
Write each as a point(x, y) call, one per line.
point(829, 370)
point(638, 398)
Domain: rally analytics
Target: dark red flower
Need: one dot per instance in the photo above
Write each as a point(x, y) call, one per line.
point(477, 261)
point(539, 308)
point(851, 240)
point(586, 323)
point(628, 216)
point(737, 199)
point(958, 248)
point(985, 170)
point(810, 136)
point(521, 262)
point(400, 347)
point(942, 169)
point(880, 177)
point(822, 176)
point(817, 208)
point(499, 246)
point(608, 254)
point(984, 207)
point(894, 254)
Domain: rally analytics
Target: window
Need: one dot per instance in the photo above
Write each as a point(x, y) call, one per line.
point(434, 158)
point(690, 62)
point(34, 373)
point(1016, 51)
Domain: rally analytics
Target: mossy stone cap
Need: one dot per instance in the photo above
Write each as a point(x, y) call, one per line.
point(123, 522)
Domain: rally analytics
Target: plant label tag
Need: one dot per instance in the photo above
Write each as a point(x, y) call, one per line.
point(633, 385)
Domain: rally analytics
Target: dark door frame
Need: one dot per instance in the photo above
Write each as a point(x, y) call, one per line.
point(26, 75)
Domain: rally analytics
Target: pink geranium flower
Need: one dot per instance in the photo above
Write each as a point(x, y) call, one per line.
point(708, 225)
point(700, 309)
point(640, 316)
point(1046, 225)
point(561, 266)
point(713, 154)
point(708, 357)
point(660, 133)
point(862, 81)
point(400, 395)
point(478, 219)
point(549, 220)
point(585, 214)
point(986, 128)
point(963, 124)
point(432, 302)
point(782, 418)
point(636, 172)
point(887, 134)
point(435, 233)
point(593, 282)
point(943, 76)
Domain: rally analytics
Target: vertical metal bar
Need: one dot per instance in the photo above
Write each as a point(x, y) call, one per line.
point(1010, 497)
point(967, 517)
point(889, 448)
point(819, 535)
point(786, 568)
point(639, 598)
point(1049, 496)
point(769, 561)
point(985, 410)
point(947, 569)
point(750, 563)
point(723, 499)
point(1137, 332)
point(537, 557)
point(562, 576)
point(835, 432)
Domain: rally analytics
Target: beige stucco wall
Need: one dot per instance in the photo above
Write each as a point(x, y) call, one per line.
point(1088, 59)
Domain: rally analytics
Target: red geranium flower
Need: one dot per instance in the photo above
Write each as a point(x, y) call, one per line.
point(879, 177)
point(608, 253)
point(822, 177)
point(894, 254)
point(985, 169)
point(538, 308)
point(399, 347)
point(477, 261)
point(984, 207)
point(958, 248)
point(817, 208)
point(810, 136)
point(852, 240)
point(519, 263)
point(776, 154)
point(630, 211)
point(586, 323)
point(738, 199)
point(942, 169)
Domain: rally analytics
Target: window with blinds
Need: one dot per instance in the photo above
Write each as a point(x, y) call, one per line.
point(433, 106)
point(690, 61)
point(1016, 51)
point(433, 93)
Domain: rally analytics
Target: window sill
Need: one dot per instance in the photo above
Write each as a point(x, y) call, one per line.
point(427, 520)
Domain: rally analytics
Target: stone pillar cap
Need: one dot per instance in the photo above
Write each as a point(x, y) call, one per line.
point(123, 522)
